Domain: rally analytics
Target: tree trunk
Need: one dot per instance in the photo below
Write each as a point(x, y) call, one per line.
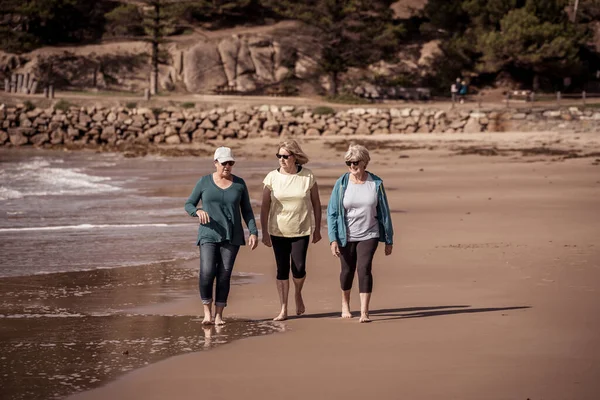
point(154, 69)
point(155, 43)
point(536, 82)
point(333, 83)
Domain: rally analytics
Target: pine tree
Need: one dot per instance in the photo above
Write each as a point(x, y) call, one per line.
point(528, 39)
point(158, 24)
point(27, 24)
point(158, 19)
point(526, 43)
point(125, 20)
point(352, 33)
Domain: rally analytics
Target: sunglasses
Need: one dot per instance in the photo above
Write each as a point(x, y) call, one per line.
point(355, 163)
point(230, 163)
point(284, 156)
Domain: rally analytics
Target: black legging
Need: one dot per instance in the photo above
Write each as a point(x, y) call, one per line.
point(290, 251)
point(358, 255)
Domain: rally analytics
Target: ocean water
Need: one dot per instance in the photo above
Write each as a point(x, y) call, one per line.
point(70, 211)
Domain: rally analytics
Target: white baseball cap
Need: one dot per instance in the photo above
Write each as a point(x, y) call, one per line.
point(223, 154)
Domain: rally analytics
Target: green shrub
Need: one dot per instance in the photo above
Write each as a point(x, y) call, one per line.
point(188, 104)
point(323, 110)
point(63, 105)
point(157, 110)
point(28, 105)
point(131, 105)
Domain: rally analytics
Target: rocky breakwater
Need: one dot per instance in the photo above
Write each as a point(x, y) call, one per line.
point(88, 126)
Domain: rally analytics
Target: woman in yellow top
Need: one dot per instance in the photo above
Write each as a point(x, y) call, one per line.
point(289, 197)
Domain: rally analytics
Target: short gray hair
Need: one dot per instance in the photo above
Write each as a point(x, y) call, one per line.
point(357, 152)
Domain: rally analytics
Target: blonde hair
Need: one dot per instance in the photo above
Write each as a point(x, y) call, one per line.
point(293, 147)
point(357, 152)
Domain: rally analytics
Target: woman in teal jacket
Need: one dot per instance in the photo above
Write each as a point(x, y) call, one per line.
point(225, 201)
point(358, 218)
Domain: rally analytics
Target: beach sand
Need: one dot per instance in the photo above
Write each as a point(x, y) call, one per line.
point(491, 291)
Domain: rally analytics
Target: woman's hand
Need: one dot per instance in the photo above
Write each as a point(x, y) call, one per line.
point(335, 249)
point(203, 216)
point(316, 236)
point(388, 249)
point(253, 241)
point(266, 240)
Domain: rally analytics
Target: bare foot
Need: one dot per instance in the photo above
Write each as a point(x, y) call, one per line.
point(219, 320)
point(364, 318)
point(300, 309)
point(346, 312)
point(281, 317)
point(207, 320)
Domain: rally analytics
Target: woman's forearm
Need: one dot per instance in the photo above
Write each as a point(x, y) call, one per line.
point(264, 211)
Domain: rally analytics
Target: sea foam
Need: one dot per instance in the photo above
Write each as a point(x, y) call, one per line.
point(39, 177)
point(85, 227)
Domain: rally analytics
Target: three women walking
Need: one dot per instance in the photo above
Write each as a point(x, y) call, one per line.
point(225, 201)
point(358, 218)
point(289, 215)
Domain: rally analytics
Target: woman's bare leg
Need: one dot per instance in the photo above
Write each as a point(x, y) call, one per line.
point(219, 315)
point(298, 284)
point(207, 314)
point(346, 304)
point(365, 298)
point(283, 288)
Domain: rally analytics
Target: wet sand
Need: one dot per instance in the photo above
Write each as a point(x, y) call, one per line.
point(491, 292)
point(67, 332)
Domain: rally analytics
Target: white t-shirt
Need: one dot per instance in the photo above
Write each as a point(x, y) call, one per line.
point(360, 203)
point(291, 212)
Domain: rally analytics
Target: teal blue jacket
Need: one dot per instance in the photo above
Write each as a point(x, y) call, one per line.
point(336, 214)
point(225, 208)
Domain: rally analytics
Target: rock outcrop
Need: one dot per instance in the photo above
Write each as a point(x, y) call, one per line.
point(202, 68)
point(239, 63)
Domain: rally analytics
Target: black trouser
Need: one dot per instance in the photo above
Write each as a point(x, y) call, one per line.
point(290, 252)
point(358, 255)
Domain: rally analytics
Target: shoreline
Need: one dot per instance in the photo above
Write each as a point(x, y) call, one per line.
point(255, 149)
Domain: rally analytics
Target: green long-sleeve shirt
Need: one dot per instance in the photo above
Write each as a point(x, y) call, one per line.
point(225, 208)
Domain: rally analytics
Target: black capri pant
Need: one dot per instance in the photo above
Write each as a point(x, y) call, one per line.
point(358, 255)
point(290, 252)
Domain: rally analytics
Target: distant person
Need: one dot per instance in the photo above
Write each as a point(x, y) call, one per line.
point(454, 91)
point(225, 201)
point(463, 91)
point(358, 218)
point(289, 204)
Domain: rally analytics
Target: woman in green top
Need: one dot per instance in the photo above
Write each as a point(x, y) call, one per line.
point(225, 201)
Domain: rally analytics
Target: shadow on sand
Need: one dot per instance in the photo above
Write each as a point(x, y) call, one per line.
point(414, 312)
